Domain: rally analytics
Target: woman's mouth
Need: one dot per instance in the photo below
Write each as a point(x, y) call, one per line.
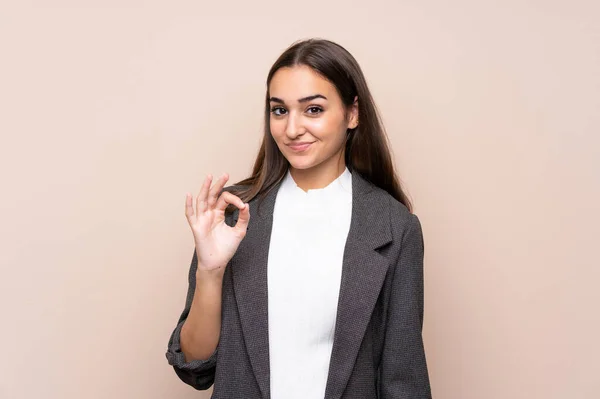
point(299, 147)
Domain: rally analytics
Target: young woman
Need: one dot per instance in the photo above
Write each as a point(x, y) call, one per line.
point(307, 277)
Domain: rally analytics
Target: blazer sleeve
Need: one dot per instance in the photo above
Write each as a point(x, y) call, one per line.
point(403, 369)
point(200, 374)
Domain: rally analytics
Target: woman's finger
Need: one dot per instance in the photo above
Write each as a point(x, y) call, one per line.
point(244, 217)
point(216, 189)
point(227, 198)
point(189, 209)
point(201, 200)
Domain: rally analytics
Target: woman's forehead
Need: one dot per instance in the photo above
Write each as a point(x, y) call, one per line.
point(293, 83)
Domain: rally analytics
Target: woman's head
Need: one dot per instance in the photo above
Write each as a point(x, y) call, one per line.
point(309, 120)
point(343, 129)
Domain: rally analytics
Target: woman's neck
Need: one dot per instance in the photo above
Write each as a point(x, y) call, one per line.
point(319, 176)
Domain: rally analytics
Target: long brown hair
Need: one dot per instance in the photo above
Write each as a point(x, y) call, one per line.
point(367, 152)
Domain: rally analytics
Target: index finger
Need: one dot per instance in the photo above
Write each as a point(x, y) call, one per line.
point(216, 189)
point(227, 198)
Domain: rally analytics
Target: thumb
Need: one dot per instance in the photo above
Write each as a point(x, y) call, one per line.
point(244, 217)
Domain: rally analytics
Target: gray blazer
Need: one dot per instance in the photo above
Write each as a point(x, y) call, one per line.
point(377, 349)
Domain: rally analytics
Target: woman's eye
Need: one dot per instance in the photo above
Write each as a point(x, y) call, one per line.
point(314, 110)
point(278, 111)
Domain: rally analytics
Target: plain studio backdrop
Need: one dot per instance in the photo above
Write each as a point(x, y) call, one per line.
point(111, 110)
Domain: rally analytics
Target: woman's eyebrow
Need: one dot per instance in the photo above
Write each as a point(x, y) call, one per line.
point(301, 100)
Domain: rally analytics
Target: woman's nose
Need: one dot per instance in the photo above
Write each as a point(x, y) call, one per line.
point(294, 125)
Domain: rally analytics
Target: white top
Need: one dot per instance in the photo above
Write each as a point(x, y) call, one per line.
point(304, 272)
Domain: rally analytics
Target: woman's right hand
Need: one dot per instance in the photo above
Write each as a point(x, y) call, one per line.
point(216, 242)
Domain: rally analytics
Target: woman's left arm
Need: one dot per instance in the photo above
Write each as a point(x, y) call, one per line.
point(403, 368)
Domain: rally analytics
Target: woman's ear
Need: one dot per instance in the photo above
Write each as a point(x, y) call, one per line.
point(353, 120)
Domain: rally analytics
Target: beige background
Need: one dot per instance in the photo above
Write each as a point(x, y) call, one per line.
point(111, 110)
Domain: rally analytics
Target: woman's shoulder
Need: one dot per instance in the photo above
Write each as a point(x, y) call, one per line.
point(400, 217)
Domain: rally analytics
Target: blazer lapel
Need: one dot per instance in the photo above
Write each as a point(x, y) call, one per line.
point(363, 273)
point(249, 272)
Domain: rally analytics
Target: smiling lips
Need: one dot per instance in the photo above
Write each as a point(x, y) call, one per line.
point(299, 147)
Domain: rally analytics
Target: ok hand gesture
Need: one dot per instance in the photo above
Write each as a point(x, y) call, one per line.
point(216, 242)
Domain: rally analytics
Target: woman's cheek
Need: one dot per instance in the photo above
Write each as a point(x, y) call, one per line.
point(277, 128)
point(318, 127)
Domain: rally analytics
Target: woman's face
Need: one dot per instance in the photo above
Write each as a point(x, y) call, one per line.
point(308, 119)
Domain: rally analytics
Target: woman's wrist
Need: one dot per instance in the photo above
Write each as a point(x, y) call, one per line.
point(209, 277)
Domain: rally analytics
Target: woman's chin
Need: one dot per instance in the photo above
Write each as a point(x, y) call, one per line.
point(301, 165)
